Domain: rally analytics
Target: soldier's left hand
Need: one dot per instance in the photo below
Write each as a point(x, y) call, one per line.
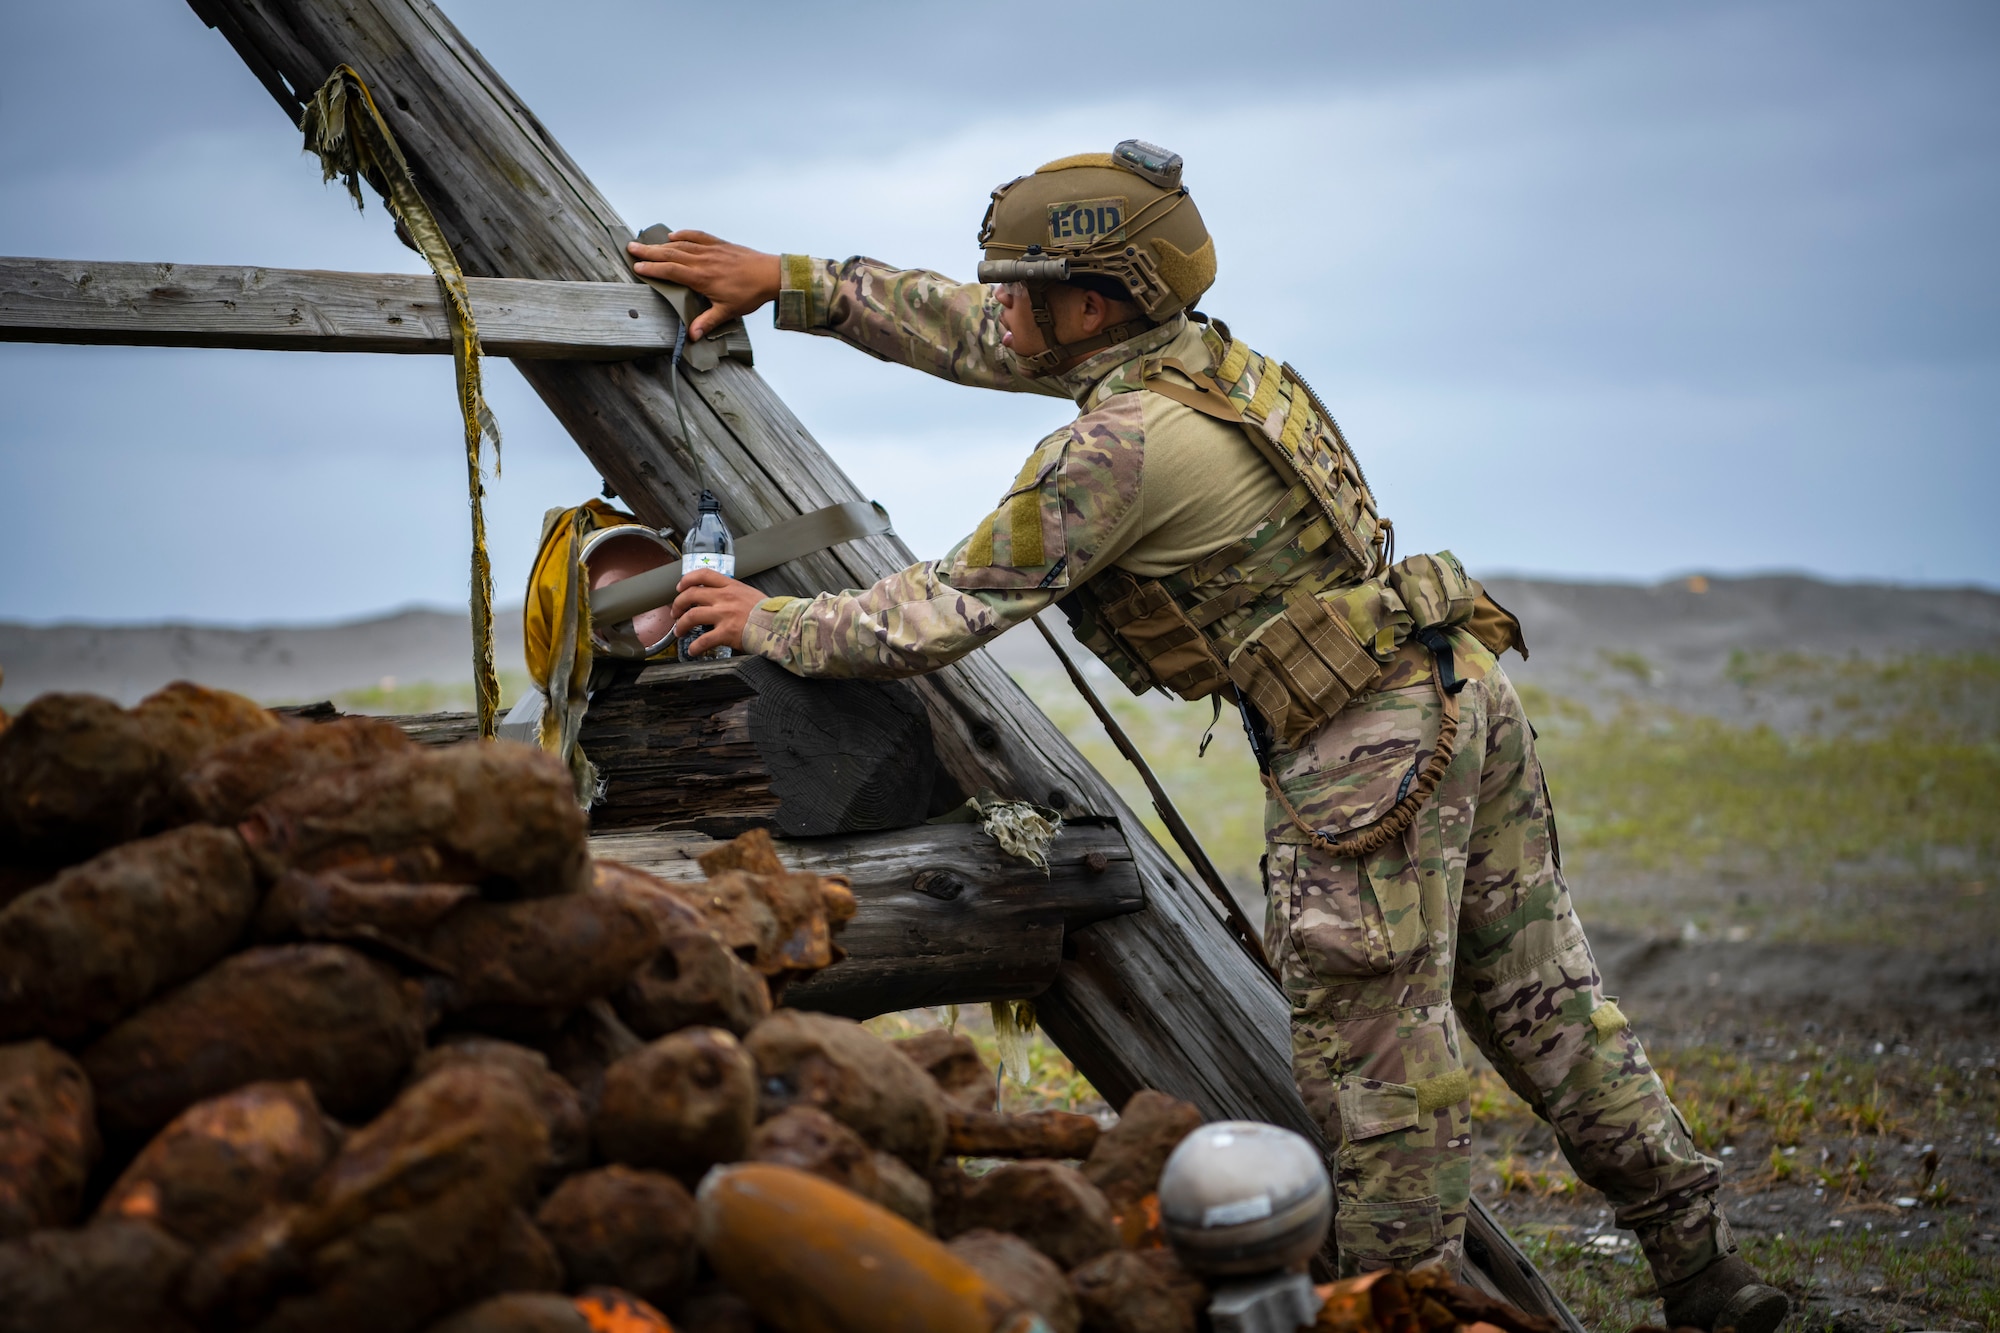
point(718, 601)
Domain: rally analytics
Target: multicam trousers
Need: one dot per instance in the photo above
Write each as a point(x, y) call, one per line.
point(1462, 927)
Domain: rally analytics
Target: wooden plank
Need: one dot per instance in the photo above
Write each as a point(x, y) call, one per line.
point(1162, 998)
point(306, 310)
point(945, 916)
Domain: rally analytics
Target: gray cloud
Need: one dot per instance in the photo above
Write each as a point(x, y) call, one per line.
point(1597, 290)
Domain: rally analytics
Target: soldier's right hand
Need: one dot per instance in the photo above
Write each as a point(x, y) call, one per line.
point(735, 277)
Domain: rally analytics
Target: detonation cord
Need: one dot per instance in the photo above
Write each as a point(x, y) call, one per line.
point(1404, 812)
point(1232, 915)
point(346, 131)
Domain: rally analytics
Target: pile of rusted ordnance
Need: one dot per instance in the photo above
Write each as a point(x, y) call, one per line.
point(309, 1027)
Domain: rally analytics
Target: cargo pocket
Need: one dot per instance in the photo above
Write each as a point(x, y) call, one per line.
point(1395, 1234)
point(1355, 918)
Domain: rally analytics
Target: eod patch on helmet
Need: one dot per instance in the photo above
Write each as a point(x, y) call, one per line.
point(1122, 215)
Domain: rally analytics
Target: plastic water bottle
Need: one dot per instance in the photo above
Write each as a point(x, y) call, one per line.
point(708, 546)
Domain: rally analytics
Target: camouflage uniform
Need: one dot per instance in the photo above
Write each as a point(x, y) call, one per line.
point(1466, 920)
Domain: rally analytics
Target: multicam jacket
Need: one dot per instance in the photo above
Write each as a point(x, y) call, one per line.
point(1139, 482)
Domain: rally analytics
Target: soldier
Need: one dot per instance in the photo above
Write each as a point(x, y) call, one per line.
point(1208, 531)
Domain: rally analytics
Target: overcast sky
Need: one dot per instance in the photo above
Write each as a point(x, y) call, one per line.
point(1597, 291)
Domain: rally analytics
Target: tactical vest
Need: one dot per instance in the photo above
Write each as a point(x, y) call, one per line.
point(1298, 615)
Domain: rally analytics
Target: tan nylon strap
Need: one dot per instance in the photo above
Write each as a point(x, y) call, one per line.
point(1206, 568)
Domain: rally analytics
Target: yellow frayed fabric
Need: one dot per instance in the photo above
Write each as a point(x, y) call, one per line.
point(555, 633)
point(346, 131)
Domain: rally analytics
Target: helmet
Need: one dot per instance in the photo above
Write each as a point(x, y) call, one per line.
point(1239, 1197)
point(1122, 215)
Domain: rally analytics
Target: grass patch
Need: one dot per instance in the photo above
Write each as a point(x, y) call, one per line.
point(403, 698)
point(1661, 791)
point(1053, 1083)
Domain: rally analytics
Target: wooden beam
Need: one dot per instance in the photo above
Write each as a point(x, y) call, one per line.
point(946, 917)
point(1162, 998)
point(305, 310)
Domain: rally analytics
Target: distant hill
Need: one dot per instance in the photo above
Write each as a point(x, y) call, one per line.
point(1669, 639)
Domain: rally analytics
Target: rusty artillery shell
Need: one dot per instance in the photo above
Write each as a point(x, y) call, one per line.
point(501, 816)
point(348, 1025)
point(549, 953)
point(620, 1227)
point(188, 721)
point(331, 905)
point(404, 1224)
point(1010, 1264)
point(224, 1160)
point(1134, 1291)
point(557, 1101)
point(811, 1257)
point(811, 1140)
point(81, 951)
point(77, 774)
point(226, 783)
point(854, 1076)
point(48, 1138)
point(1047, 1204)
point(680, 1104)
point(1127, 1160)
point(109, 1277)
point(1051, 1134)
point(951, 1059)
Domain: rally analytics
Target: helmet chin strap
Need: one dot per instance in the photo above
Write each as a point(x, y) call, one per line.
point(1054, 351)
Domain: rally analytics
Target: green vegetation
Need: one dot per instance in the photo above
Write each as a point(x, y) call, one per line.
point(1874, 822)
point(389, 696)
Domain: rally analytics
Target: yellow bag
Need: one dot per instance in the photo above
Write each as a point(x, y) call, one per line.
point(556, 632)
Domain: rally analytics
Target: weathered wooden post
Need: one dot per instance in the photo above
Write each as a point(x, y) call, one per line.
point(1162, 998)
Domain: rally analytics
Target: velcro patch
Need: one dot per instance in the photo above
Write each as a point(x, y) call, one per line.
point(1608, 1018)
point(1086, 220)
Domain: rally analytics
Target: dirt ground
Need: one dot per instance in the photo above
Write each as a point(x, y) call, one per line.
point(1853, 1098)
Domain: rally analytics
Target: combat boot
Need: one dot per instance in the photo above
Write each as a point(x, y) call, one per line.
point(1726, 1294)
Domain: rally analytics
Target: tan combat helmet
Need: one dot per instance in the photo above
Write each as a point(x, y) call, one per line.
point(1122, 215)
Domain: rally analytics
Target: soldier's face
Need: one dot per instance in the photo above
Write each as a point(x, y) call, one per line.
point(1017, 317)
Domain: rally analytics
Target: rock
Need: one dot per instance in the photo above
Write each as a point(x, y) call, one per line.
point(624, 1228)
point(1049, 1205)
point(953, 1061)
point(83, 950)
point(501, 816)
point(1010, 1264)
point(48, 1138)
point(851, 1074)
point(347, 1025)
point(559, 1103)
point(1134, 1291)
point(111, 1277)
point(680, 1104)
point(1128, 1159)
point(226, 783)
point(222, 1161)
